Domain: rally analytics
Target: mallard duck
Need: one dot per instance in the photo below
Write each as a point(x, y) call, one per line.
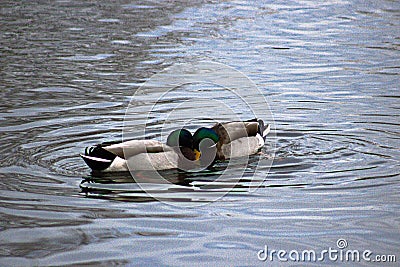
point(234, 139)
point(142, 154)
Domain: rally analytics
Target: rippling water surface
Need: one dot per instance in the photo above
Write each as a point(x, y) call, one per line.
point(330, 73)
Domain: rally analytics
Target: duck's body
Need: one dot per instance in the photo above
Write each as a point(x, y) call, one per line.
point(141, 154)
point(131, 155)
point(239, 139)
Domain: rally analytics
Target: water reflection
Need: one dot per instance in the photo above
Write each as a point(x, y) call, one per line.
point(175, 185)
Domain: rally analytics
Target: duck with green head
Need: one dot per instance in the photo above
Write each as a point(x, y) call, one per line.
point(178, 152)
point(234, 139)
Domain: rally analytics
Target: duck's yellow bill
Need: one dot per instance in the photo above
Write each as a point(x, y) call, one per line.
point(197, 154)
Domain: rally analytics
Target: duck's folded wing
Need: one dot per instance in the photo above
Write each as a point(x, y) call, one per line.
point(231, 131)
point(134, 147)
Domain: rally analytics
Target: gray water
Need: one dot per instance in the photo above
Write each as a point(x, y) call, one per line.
point(328, 69)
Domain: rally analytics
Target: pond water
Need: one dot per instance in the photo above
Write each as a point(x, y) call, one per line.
point(329, 71)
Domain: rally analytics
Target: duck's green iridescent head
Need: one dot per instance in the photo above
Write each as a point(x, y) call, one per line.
point(204, 133)
point(180, 138)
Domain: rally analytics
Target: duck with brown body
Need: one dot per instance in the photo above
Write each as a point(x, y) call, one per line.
point(233, 139)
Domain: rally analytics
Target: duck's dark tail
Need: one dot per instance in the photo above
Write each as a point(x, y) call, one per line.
point(263, 129)
point(97, 158)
